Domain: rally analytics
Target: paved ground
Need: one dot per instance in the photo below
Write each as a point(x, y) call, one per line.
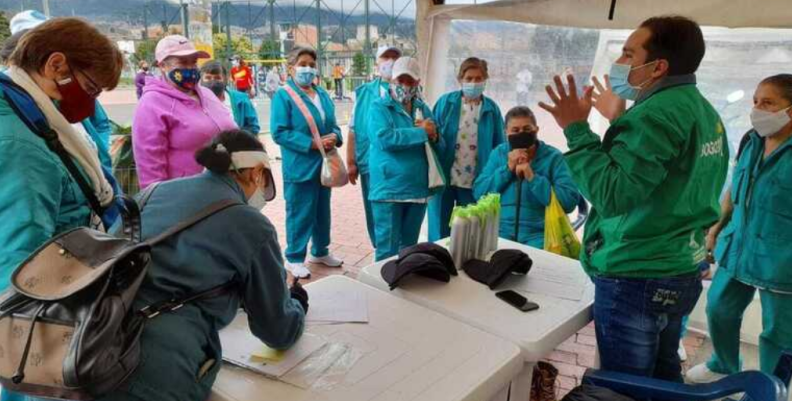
point(350, 243)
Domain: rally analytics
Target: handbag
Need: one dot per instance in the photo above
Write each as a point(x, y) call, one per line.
point(436, 176)
point(334, 173)
point(67, 326)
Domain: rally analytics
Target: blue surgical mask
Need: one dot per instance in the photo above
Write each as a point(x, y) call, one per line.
point(620, 80)
point(304, 76)
point(473, 90)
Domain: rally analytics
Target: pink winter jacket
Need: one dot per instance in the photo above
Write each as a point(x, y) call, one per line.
point(170, 126)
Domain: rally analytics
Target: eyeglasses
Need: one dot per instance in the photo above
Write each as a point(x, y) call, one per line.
point(94, 90)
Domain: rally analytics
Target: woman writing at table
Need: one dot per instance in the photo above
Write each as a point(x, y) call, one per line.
point(180, 350)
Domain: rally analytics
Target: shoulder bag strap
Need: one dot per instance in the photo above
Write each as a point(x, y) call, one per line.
point(13, 93)
point(307, 115)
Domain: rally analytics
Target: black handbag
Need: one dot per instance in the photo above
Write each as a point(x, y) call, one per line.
point(67, 327)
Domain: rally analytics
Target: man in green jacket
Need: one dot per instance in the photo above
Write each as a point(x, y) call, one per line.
point(654, 181)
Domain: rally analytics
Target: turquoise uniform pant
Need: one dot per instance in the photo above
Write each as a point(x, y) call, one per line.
point(398, 226)
point(440, 208)
point(307, 218)
point(364, 186)
point(726, 303)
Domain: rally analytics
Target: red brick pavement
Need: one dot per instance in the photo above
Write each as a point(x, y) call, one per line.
point(349, 242)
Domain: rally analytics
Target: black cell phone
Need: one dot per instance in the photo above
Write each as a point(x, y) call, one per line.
point(516, 300)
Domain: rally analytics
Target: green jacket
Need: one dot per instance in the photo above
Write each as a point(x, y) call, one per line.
point(653, 181)
point(755, 246)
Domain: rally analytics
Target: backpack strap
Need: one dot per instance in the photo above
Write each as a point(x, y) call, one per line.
point(28, 111)
point(176, 303)
point(297, 99)
point(158, 308)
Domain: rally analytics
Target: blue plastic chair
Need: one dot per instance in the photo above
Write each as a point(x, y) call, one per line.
point(757, 386)
point(583, 213)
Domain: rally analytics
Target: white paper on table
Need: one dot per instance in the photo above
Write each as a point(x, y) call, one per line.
point(239, 344)
point(336, 307)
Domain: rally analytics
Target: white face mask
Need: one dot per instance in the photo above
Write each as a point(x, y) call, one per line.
point(767, 123)
point(257, 199)
point(386, 70)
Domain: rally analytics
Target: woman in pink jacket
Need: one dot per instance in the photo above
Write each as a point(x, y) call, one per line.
point(176, 116)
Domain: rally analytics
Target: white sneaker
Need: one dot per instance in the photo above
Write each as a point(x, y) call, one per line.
point(701, 374)
point(328, 260)
point(682, 352)
point(298, 270)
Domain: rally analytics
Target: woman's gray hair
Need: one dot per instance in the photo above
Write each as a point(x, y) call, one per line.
point(295, 54)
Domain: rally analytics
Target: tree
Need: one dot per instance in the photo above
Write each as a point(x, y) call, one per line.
point(270, 49)
point(145, 51)
point(240, 45)
point(359, 65)
point(5, 30)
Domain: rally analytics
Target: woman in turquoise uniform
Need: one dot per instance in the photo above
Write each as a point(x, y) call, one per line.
point(472, 126)
point(307, 201)
point(541, 168)
point(400, 126)
point(753, 249)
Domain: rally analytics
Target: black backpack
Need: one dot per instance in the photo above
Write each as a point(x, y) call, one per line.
point(67, 327)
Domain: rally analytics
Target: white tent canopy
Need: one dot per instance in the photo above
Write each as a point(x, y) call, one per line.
point(433, 20)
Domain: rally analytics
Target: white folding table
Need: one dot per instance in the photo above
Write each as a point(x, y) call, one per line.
point(409, 353)
point(559, 285)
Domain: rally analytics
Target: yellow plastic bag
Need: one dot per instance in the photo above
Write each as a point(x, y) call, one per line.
point(559, 236)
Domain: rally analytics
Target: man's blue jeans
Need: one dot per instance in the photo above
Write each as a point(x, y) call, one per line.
point(638, 323)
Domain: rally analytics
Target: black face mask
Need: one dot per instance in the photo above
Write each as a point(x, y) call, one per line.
point(217, 87)
point(522, 140)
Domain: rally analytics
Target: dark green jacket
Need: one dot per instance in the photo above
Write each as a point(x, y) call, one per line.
point(654, 182)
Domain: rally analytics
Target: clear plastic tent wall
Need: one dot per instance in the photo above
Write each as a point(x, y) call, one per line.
point(527, 42)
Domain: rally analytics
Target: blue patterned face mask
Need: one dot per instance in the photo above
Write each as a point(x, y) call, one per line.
point(404, 94)
point(620, 80)
point(185, 78)
point(304, 76)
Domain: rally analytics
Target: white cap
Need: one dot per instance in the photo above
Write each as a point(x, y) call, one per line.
point(384, 49)
point(407, 66)
point(25, 20)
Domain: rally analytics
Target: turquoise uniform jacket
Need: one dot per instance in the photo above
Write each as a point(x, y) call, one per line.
point(755, 247)
point(244, 113)
point(290, 131)
point(365, 96)
point(38, 197)
point(399, 167)
point(237, 244)
point(99, 128)
point(550, 171)
point(447, 110)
